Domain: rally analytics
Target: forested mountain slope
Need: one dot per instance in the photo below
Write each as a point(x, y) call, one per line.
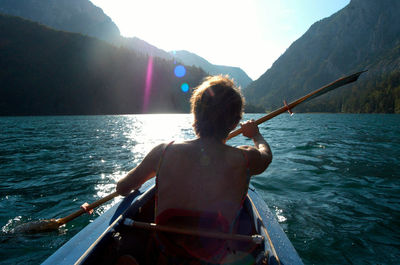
point(47, 72)
point(68, 15)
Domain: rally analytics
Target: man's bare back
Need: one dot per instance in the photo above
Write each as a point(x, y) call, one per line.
point(204, 175)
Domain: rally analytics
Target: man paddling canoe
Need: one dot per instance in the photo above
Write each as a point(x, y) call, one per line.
point(204, 176)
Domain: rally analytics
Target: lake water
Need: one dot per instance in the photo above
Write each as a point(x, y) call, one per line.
point(334, 182)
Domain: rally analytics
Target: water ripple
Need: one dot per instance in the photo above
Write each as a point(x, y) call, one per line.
point(333, 183)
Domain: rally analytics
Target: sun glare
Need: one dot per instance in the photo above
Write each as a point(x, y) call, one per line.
point(165, 126)
point(145, 131)
point(251, 34)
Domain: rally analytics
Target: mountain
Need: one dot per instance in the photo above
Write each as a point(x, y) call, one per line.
point(49, 72)
point(81, 16)
point(68, 15)
point(236, 73)
point(363, 35)
point(144, 47)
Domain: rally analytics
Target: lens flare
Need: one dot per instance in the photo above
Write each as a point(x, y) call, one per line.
point(185, 87)
point(147, 89)
point(180, 71)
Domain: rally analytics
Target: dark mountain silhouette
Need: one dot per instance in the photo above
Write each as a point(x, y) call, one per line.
point(236, 73)
point(363, 35)
point(48, 72)
point(68, 15)
point(81, 16)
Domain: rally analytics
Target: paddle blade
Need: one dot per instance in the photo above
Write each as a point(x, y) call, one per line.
point(338, 83)
point(38, 226)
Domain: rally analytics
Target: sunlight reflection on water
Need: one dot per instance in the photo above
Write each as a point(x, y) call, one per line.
point(142, 133)
point(151, 129)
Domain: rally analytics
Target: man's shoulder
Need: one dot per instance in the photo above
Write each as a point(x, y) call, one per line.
point(248, 150)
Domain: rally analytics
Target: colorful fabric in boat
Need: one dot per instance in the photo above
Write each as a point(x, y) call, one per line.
point(192, 248)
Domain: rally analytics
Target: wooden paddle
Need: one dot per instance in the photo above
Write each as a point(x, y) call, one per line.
point(256, 239)
point(338, 83)
point(53, 224)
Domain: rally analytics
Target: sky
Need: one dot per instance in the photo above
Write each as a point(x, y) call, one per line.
point(250, 34)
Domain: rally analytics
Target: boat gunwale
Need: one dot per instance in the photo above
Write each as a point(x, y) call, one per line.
point(284, 250)
point(72, 250)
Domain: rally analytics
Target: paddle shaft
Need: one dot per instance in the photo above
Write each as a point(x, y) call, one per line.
point(338, 83)
point(53, 223)
point(91, 206)
point(257, 239)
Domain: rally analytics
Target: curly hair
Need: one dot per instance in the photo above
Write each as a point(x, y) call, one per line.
point(217, 105)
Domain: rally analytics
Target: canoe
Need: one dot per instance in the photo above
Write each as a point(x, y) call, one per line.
point(111, 235)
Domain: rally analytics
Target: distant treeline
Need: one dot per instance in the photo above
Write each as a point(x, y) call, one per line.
point(48, 72)
point(380, 96)
point(374, 95)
